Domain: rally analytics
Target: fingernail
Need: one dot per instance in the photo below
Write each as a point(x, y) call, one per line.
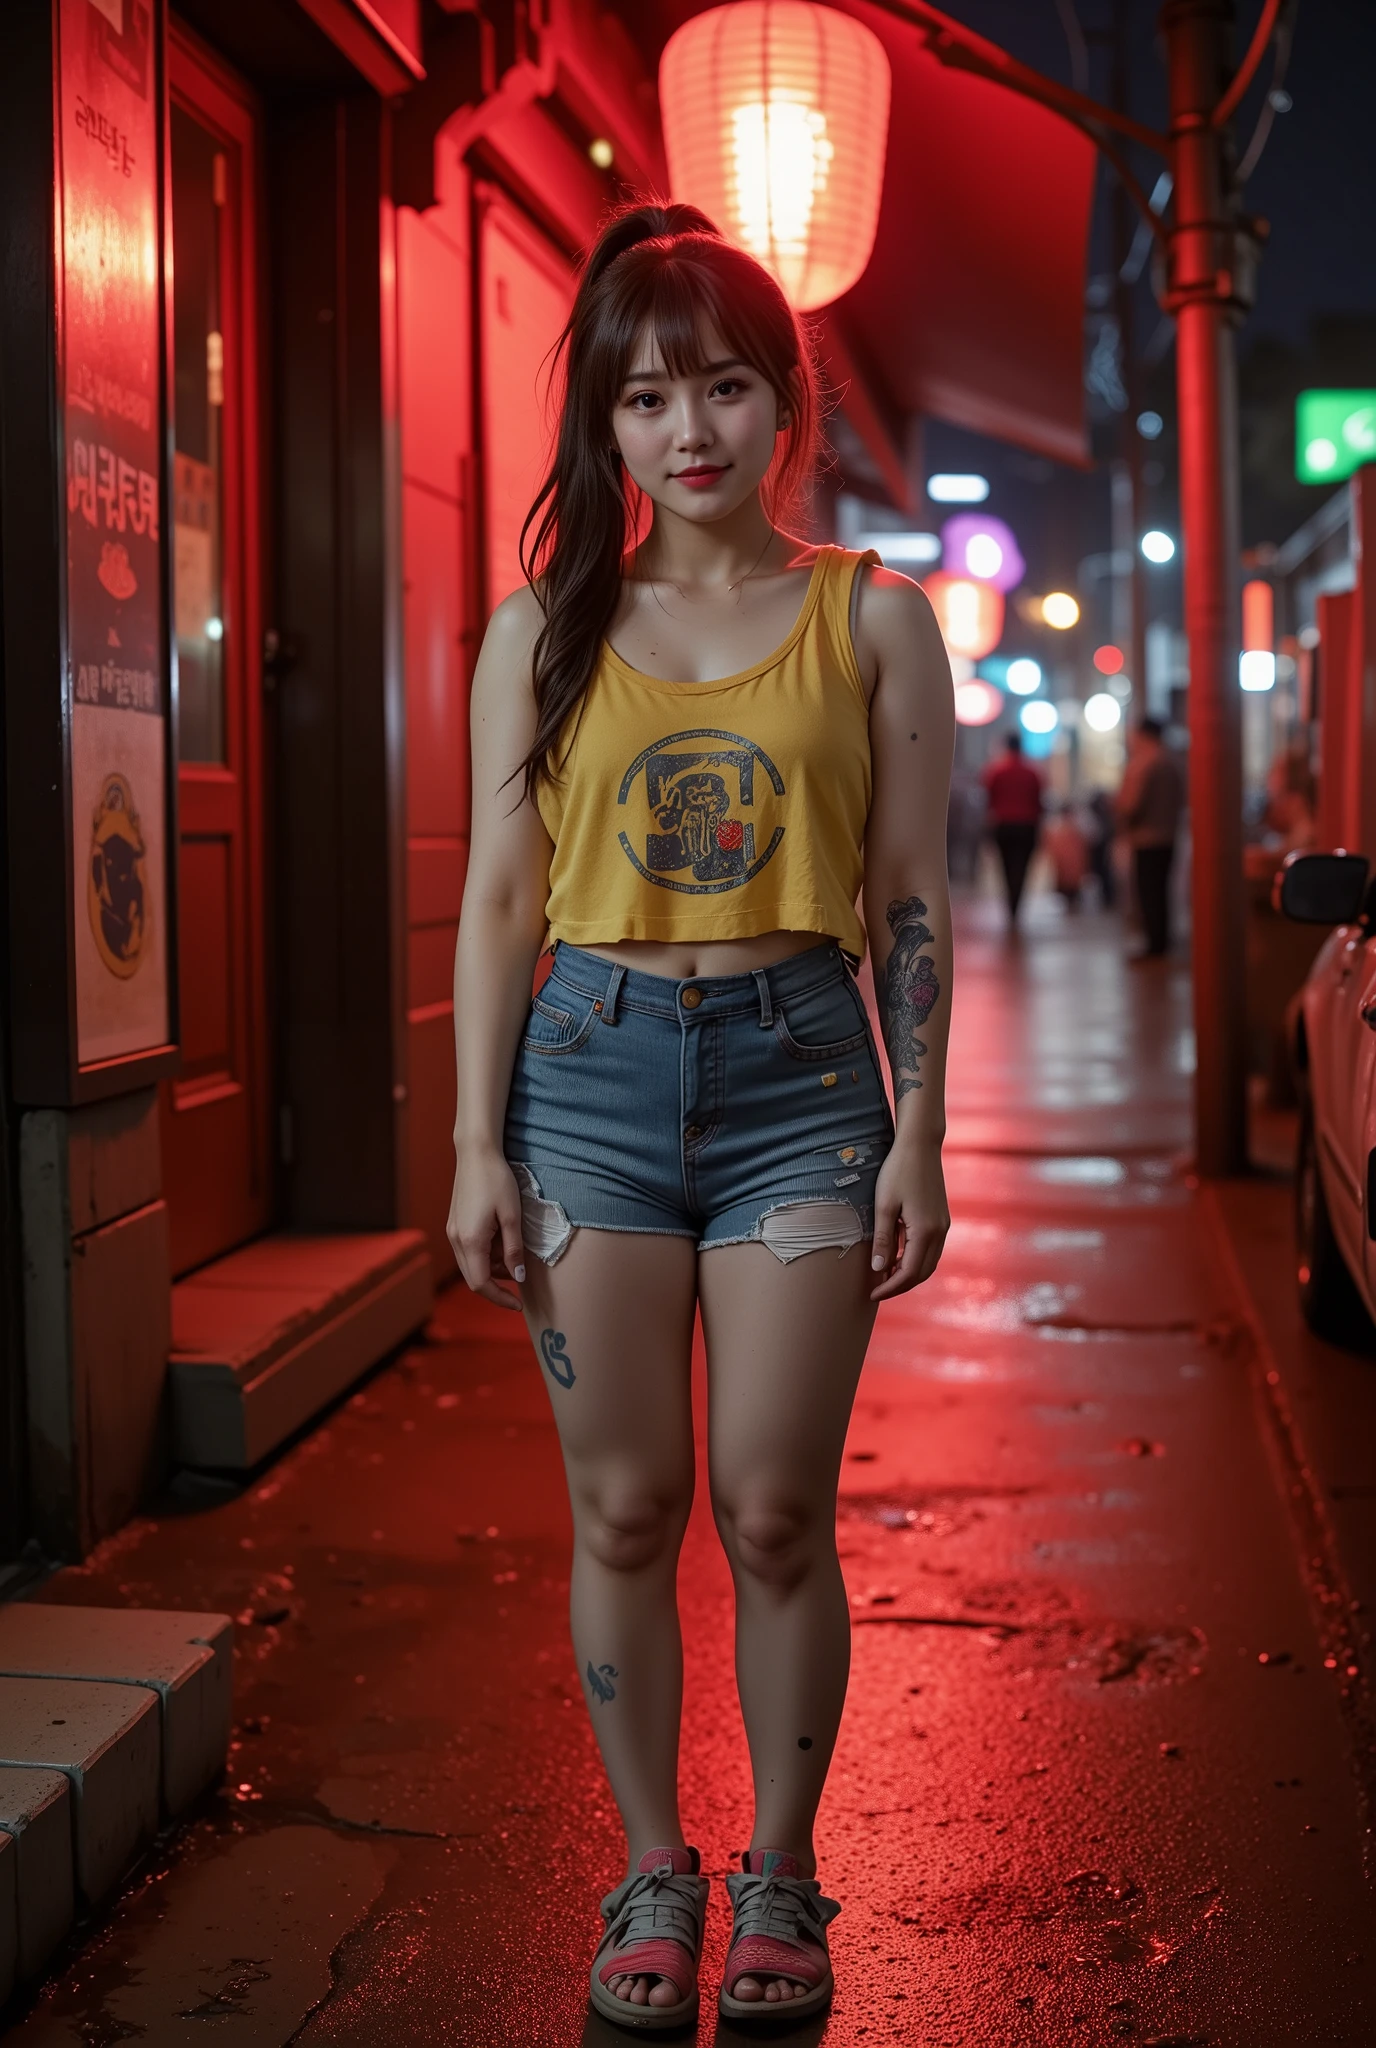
point(520, 1273)
point(876, 1265)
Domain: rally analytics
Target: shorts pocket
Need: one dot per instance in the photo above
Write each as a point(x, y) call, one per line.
point(826, 1023)
point(560, 1020)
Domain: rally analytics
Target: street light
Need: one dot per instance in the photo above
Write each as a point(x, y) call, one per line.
point(900, 549)
point(1102, 712)
point(1157, 546)
point(1025, 676)
point(1256, 668)
point(977, 703)
point(1108, 660)
point(1039, 718)
point(949, 489)
point(976, 544)
point(1060, 610)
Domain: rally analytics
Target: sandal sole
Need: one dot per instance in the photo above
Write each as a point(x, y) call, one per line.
point(643, 2019)
point(776, 2010)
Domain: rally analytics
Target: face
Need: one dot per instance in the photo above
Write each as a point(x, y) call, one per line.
point(698, 445)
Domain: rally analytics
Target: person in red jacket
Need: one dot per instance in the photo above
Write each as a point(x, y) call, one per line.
point(1014, 791)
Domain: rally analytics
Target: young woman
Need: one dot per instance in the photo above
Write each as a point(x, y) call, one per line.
point(688, 755)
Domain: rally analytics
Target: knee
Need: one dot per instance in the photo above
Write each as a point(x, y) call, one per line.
point(629, 1529)
point(771, 1539)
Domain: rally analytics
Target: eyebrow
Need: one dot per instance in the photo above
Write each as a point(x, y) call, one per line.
point(707, 370)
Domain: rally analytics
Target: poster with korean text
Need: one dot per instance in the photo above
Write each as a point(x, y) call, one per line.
point(116, 634)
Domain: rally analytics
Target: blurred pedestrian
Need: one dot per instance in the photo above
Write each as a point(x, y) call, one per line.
point(1103, 826)
point(1065, 845)
point(1149, 806)
point(1014, 790)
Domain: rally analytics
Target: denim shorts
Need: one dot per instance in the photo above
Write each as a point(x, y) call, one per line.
point(726, 1109)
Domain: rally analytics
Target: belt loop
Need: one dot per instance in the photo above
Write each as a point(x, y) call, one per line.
point(761, 980)
point(613, 994)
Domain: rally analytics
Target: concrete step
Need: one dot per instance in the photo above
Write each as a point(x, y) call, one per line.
point(104, 1738)
point(266, 1337)
point(38, 1844)
point(184, 1660)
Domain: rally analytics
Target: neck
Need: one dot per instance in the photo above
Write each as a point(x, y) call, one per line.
point(681, 551)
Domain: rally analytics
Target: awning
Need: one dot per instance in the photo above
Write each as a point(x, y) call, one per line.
point(972, 306)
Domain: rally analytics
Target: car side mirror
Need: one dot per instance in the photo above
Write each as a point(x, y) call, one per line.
point(1321, 888)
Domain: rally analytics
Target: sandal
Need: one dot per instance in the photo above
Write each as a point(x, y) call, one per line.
point(654, 1929)
point(779, 1930)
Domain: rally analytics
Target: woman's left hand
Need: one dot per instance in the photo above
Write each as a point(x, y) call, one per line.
point(911, 1219)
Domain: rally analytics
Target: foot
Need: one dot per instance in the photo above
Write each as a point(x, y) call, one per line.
point(778, 1953)
point(645, 1971)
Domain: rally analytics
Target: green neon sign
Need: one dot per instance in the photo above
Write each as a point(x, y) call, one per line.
point(1335, 433)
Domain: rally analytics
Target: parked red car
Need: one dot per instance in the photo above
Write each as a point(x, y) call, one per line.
point(1333, 1045)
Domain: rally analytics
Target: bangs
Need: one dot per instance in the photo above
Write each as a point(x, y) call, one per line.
point(679, 302)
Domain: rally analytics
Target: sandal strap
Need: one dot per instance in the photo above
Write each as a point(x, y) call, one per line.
point(654, 1928)
point(779, 1928)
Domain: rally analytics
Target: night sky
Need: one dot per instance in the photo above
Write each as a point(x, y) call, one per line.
point(1316, 181)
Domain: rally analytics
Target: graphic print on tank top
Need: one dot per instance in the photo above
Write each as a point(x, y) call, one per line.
point(705, 807)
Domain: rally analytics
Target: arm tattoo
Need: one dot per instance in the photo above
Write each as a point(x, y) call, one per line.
point(909, 991)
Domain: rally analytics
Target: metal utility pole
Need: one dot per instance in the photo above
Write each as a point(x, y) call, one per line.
point(1205, 292)
point(1127, 477)
point(1211, 265)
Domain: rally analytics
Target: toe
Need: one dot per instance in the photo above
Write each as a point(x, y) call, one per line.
point(747, 1988)
point(664, 1993)
point(640, 1995)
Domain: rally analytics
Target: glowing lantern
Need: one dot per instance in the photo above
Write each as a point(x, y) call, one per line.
point(977, 703)
point(776, 116)
point(969, 613)
point(1060, 610)
point(978, 545)
point(1258, 617)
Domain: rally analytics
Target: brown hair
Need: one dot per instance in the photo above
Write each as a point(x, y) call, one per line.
point(665, 266)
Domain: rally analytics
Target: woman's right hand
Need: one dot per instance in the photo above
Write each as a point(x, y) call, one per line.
point(484, 1228)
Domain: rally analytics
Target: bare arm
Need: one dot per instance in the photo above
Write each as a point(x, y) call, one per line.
point(908, 910)
point(501, 929)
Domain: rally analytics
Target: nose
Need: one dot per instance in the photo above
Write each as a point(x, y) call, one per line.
point(692, 427)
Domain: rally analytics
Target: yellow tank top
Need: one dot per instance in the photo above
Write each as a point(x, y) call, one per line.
point(697, 811)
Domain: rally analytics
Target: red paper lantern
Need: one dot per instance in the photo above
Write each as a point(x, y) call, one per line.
point(776, 116)
point(969, 613)
point(977, 702)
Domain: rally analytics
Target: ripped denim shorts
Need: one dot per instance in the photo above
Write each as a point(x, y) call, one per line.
point(729, 1110)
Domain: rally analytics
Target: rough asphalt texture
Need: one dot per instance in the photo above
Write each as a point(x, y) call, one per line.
point(1095, 1784)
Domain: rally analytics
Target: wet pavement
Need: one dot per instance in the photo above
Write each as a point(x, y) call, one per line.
point(1097, 1778)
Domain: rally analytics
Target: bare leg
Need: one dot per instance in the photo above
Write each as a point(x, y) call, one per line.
point(785, 1344)
point(612, 1323)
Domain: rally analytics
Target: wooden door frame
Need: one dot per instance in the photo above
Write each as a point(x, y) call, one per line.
point(223, 102)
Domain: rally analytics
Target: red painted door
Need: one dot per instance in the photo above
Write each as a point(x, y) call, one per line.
point(216, 1165)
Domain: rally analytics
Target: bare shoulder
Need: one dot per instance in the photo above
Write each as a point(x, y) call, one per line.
point(514, 625)
point(892, 604)
point(895, 629)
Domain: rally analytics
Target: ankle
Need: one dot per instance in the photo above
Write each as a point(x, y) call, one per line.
point(804, 1855)
point(639, 1845)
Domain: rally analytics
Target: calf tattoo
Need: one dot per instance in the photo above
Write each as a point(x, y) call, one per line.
point(600, 1679)
point(909, 993)
point(556, 1358)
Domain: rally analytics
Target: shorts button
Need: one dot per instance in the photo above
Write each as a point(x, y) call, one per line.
point(690, 998)
point(692, 1132)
